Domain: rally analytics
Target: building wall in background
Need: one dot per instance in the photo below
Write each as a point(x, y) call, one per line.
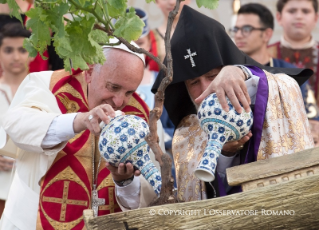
point(223, 14)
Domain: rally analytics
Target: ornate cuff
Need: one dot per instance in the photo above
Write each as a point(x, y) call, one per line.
point(246, 73)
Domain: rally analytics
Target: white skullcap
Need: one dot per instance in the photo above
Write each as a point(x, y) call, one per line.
point(124, 47)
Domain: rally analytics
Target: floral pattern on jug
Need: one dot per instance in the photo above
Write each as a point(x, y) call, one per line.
point(221, 127)
point(122, 141)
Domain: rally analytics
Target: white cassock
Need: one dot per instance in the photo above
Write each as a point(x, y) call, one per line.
point(9, 149)
point(34, 123)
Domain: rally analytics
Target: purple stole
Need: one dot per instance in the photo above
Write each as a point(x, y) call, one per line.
point(259, 117)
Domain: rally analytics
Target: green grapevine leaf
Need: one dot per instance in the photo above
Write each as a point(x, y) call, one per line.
point(14, 8)
point(84, 48)
point(210, 4)
point(62, 46)
point(87, 4)
point(40, 37)
point(129, 27)
point(29, 47)
point(78, 62)
point(82, 2)
point(116, 8)
point(67, 65)
point(99, 36)
point(77, 42)
point(97, 52)
point(55, 19)
point(99, 11)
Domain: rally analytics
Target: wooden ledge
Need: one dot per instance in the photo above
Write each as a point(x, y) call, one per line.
point(272, 167)
point(292, 205)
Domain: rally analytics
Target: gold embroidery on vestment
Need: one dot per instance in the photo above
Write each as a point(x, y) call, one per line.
point(112, 205)
point(67, 88)
point(71, 175)
point(285, 128)
point(71, 106)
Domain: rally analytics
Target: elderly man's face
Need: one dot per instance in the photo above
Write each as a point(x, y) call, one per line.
point(197, 86)
point(115, 81)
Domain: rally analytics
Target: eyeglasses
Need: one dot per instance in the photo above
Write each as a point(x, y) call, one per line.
point(245, 30)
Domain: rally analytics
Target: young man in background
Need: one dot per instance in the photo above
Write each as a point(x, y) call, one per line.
point(252, 33)
point(14, 62)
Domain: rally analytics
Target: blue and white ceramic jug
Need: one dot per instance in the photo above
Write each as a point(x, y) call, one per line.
point(122, 141)
point(220, 127)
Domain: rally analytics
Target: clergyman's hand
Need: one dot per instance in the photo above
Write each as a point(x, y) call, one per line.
point(229, 82)
point(91, 120)
point(230, 148)
point(123, 172)
point(6, 164)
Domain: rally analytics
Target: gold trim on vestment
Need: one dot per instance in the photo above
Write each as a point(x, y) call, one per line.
point(112, 205)
point(71, 106)
point(68, 174)
point(67, 88)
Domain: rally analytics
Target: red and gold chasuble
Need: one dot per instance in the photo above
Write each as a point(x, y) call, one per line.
point(66, 189)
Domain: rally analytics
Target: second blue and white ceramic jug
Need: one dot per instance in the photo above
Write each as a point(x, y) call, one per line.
point(220, 127)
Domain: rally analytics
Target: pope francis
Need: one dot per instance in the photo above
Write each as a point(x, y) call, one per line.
point(54, 119)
